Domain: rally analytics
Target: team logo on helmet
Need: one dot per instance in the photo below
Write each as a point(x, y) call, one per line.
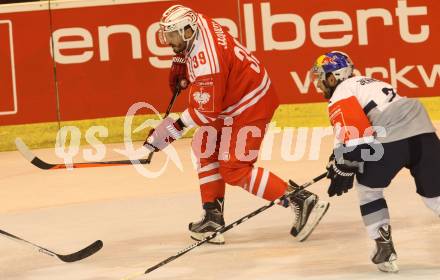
point(335, 62)
point(329, 60)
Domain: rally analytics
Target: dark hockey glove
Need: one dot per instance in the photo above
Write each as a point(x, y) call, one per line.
point(177, 76)
point(341, 175)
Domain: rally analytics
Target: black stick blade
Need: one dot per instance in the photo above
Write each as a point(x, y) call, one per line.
point(82, 254)
point(293, 184)
point(27, 154)
point(41, 164)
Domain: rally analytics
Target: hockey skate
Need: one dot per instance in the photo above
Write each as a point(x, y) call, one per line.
point(384, 255)
point(211, 221)
point(308, 210)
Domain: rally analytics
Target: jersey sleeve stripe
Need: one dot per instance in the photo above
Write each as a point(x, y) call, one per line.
point(370, 106)
point(359, 141)
point(247, 102)
point(187, 119)
point(209, 167)
point(253, 178)
point(199, 118)
point(247, 96)
point(192, 117)
point(209, 179)
point(263, 184)
point(211, 43)
point(205, 119)
point(192, 76)
point(252, 102)
point(208, 48)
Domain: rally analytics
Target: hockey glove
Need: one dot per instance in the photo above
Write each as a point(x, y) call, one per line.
point(164, 134)
point(177, 76)
point(341, 175)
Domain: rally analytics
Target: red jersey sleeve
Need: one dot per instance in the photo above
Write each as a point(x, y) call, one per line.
point(351, 125)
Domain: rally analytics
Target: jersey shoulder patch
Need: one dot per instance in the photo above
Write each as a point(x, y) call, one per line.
point(201, 95)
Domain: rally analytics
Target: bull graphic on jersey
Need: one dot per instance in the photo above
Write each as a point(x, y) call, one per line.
point(201, 98)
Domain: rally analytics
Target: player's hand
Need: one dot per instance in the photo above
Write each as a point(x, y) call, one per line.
point(341, 176)
point(164, 134)
point(177, 76)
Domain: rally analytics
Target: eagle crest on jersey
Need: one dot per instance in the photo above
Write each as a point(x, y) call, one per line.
point(202, 92)
point(201, 97)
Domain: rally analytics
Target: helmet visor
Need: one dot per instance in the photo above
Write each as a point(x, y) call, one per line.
point(316, 74)
point(168, 35)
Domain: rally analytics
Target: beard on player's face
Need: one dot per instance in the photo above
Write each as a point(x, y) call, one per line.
point(179, 47)
point(322, 85)
point(175, 41)
point(328, 86)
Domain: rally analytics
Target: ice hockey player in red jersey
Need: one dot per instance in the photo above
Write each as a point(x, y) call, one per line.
point(378, 133)
point(231, 100)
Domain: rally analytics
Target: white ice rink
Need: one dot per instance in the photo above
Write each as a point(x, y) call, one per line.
point(143, 221)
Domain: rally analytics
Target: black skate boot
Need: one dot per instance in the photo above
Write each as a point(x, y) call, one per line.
point(384, 255)
point(212, 220)
point(308, 210)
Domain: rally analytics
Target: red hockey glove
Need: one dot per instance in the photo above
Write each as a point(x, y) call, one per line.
point(164, 134)
point(177, 74)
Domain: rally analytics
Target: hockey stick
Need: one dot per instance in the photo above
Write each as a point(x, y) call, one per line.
point(81, 254)
point(224, 229)
point(32, 158)
point(173, 99)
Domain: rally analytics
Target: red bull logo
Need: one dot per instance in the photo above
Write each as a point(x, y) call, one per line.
point(328, 60)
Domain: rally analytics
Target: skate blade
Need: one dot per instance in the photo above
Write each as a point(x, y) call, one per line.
point(315, 217)
point(218, 240)
point(388, 267)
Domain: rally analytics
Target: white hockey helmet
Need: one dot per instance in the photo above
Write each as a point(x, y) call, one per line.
point(177, 18)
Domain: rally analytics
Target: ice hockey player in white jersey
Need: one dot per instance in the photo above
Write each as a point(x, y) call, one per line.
point(378, 132)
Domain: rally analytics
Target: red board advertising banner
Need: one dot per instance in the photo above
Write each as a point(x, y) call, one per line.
point(392, 40)
point(112, 58)
point(107, 55)
point(27, 91)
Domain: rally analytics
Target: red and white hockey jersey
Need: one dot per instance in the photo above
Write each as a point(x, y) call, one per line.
point(227, 81)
